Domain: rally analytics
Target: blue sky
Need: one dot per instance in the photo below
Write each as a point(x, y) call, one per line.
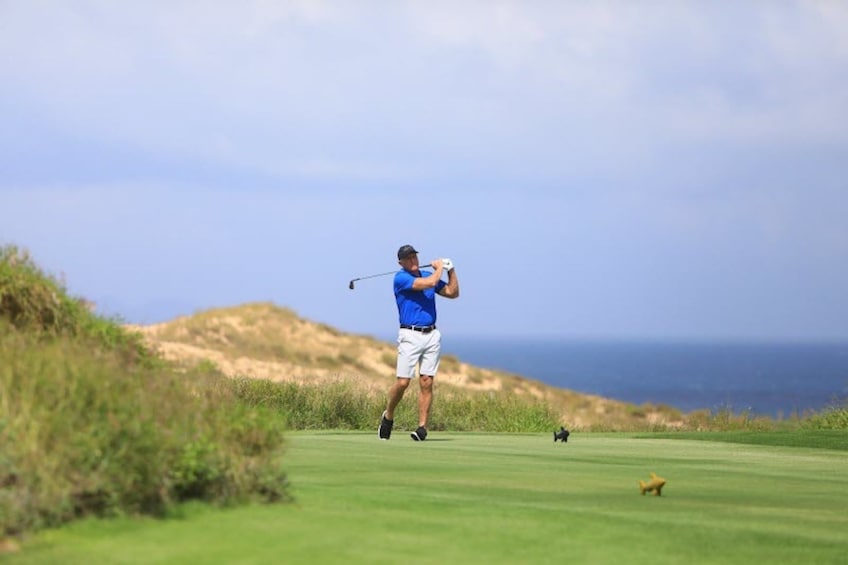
point(647, 170)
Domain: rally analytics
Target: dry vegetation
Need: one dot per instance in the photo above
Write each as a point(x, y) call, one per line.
point(265, 341)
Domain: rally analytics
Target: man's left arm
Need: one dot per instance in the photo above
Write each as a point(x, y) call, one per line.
point(451, 290)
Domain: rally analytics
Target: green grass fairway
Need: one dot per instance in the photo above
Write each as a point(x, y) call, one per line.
point(502, 498)
point(826, 439)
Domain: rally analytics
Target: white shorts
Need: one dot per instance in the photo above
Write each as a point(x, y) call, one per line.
point(418, 347)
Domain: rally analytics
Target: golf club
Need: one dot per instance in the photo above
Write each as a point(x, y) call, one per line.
point(350, 286)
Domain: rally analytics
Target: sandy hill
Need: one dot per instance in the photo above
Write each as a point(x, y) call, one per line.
point(266, 341)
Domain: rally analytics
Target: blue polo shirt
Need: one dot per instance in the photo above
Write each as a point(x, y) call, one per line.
point(415, 307)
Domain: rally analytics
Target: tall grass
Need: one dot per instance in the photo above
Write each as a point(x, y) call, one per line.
point(91, 422)
point(343, 405)
point(337, 405)
point(82, 433)
point(832, 418)
point(38, 303)
point(493, 411)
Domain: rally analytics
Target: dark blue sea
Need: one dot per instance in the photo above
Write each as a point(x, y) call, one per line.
point(772, 379)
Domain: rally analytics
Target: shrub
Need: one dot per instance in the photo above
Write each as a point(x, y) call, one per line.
point(37, 303)
point(833, 418)
point(91, 422)
point(82, 433)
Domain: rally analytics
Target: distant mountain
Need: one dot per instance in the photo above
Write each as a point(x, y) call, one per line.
point(263, 340)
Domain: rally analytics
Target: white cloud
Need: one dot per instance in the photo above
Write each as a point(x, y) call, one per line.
point(330, 87)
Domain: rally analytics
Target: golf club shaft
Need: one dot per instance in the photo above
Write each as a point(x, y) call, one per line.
point(379, 275)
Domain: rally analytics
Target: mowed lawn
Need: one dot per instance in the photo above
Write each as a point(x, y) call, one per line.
point(502, 498)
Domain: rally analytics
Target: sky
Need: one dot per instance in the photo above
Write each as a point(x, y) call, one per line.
point(595, 170)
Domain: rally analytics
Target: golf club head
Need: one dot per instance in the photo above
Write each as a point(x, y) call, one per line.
point(350, 286)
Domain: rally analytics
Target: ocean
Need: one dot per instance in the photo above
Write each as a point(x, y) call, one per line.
point(771, 379)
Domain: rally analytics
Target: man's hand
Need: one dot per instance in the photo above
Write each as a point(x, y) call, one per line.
point(447, 264)
point(430, 281)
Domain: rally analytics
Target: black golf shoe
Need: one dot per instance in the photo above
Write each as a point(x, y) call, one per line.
point(385, 429)
point(420, 434)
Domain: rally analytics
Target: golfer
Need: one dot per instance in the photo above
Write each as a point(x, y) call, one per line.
point(419, 342)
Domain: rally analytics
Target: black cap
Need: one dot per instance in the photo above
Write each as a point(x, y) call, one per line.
point(405, 251)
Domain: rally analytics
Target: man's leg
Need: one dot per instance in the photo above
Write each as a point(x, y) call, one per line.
point(429, 368)
point(387, 420)
point(425, 399)
point(395, 396)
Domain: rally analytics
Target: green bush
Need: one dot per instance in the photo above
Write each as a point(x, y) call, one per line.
point(82, 433)
point(833, 418)
point(37, 303)
point(91, 422)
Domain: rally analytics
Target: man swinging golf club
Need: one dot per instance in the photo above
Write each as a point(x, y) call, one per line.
point(419, 342)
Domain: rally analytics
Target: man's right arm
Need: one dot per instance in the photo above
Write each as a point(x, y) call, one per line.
point(423, 283)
